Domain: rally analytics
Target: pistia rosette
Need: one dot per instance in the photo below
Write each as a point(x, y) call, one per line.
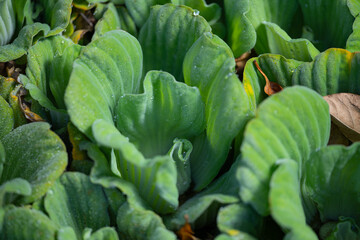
point(160, 130)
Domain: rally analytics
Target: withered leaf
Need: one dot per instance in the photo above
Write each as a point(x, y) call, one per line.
point(345, 113)
point(270, 87)
point(185, 232)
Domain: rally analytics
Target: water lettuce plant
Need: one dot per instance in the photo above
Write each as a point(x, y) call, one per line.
point(178, 119)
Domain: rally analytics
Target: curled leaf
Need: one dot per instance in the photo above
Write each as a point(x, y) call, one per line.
point(29, 115)
point(270, 87)
point(345, 113)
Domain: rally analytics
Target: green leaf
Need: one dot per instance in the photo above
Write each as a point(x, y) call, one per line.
point(277, 68)
point(235, 236)
point(209, 65)
point(290, 124)
point(40, 58)
point(354, 7)
point(280, 43)
point(56, 14)
point(245, 17)
point(109, 21)
point(6, 118)
point(106, 233)
point(344, 230)
point(60, 70)
point(203, 207)
point(238, 218)
point(285, 202)
point(333, 71)
point(211, 12)
point(331, 182)
point(108, 68)
point(166, 110)
point(76, 202)
point(136, 209)
point(24, 40)
point(353, 42)
point(22, 11)
point(2, 156)
point(7, 21)
point(14, 102)
point(167, 35)
point(35, 154)
point(17, 186)
point(139, 224)
point(330, 21)
point(180, 153)
point(127, 23)
point(241, 34)
point(27, 224)
point(6, 86)
point(66, 233)
point(140, 9)
point(154, 178)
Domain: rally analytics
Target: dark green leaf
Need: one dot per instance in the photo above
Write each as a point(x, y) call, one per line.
point(167, 36)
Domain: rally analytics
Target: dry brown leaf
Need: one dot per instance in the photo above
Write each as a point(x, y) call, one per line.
point(185, 232)
point(270, 87)
point(31, 116)
point(345, 113)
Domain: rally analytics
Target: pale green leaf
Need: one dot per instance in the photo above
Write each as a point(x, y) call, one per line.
point(7, 21)
point(140, 224)
point(76, 202)
point(24, 40)
point(106, 233)
point(290, 124)
point(108, 67)
point(353, 42)
point(333, 71)
point(209, 66)
point(154, 178)
point(60, 71)
point(35, 154)
point(17, 186)
point(281, 43)
point(66, 233)
point(109, 21)
point(136, 209)
point(285, 201)
point(165, 111)
point(239, 218)
point(38, 70)
point(27, 224)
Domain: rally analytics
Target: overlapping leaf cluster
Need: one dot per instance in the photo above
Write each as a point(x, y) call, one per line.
point(141, 127)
